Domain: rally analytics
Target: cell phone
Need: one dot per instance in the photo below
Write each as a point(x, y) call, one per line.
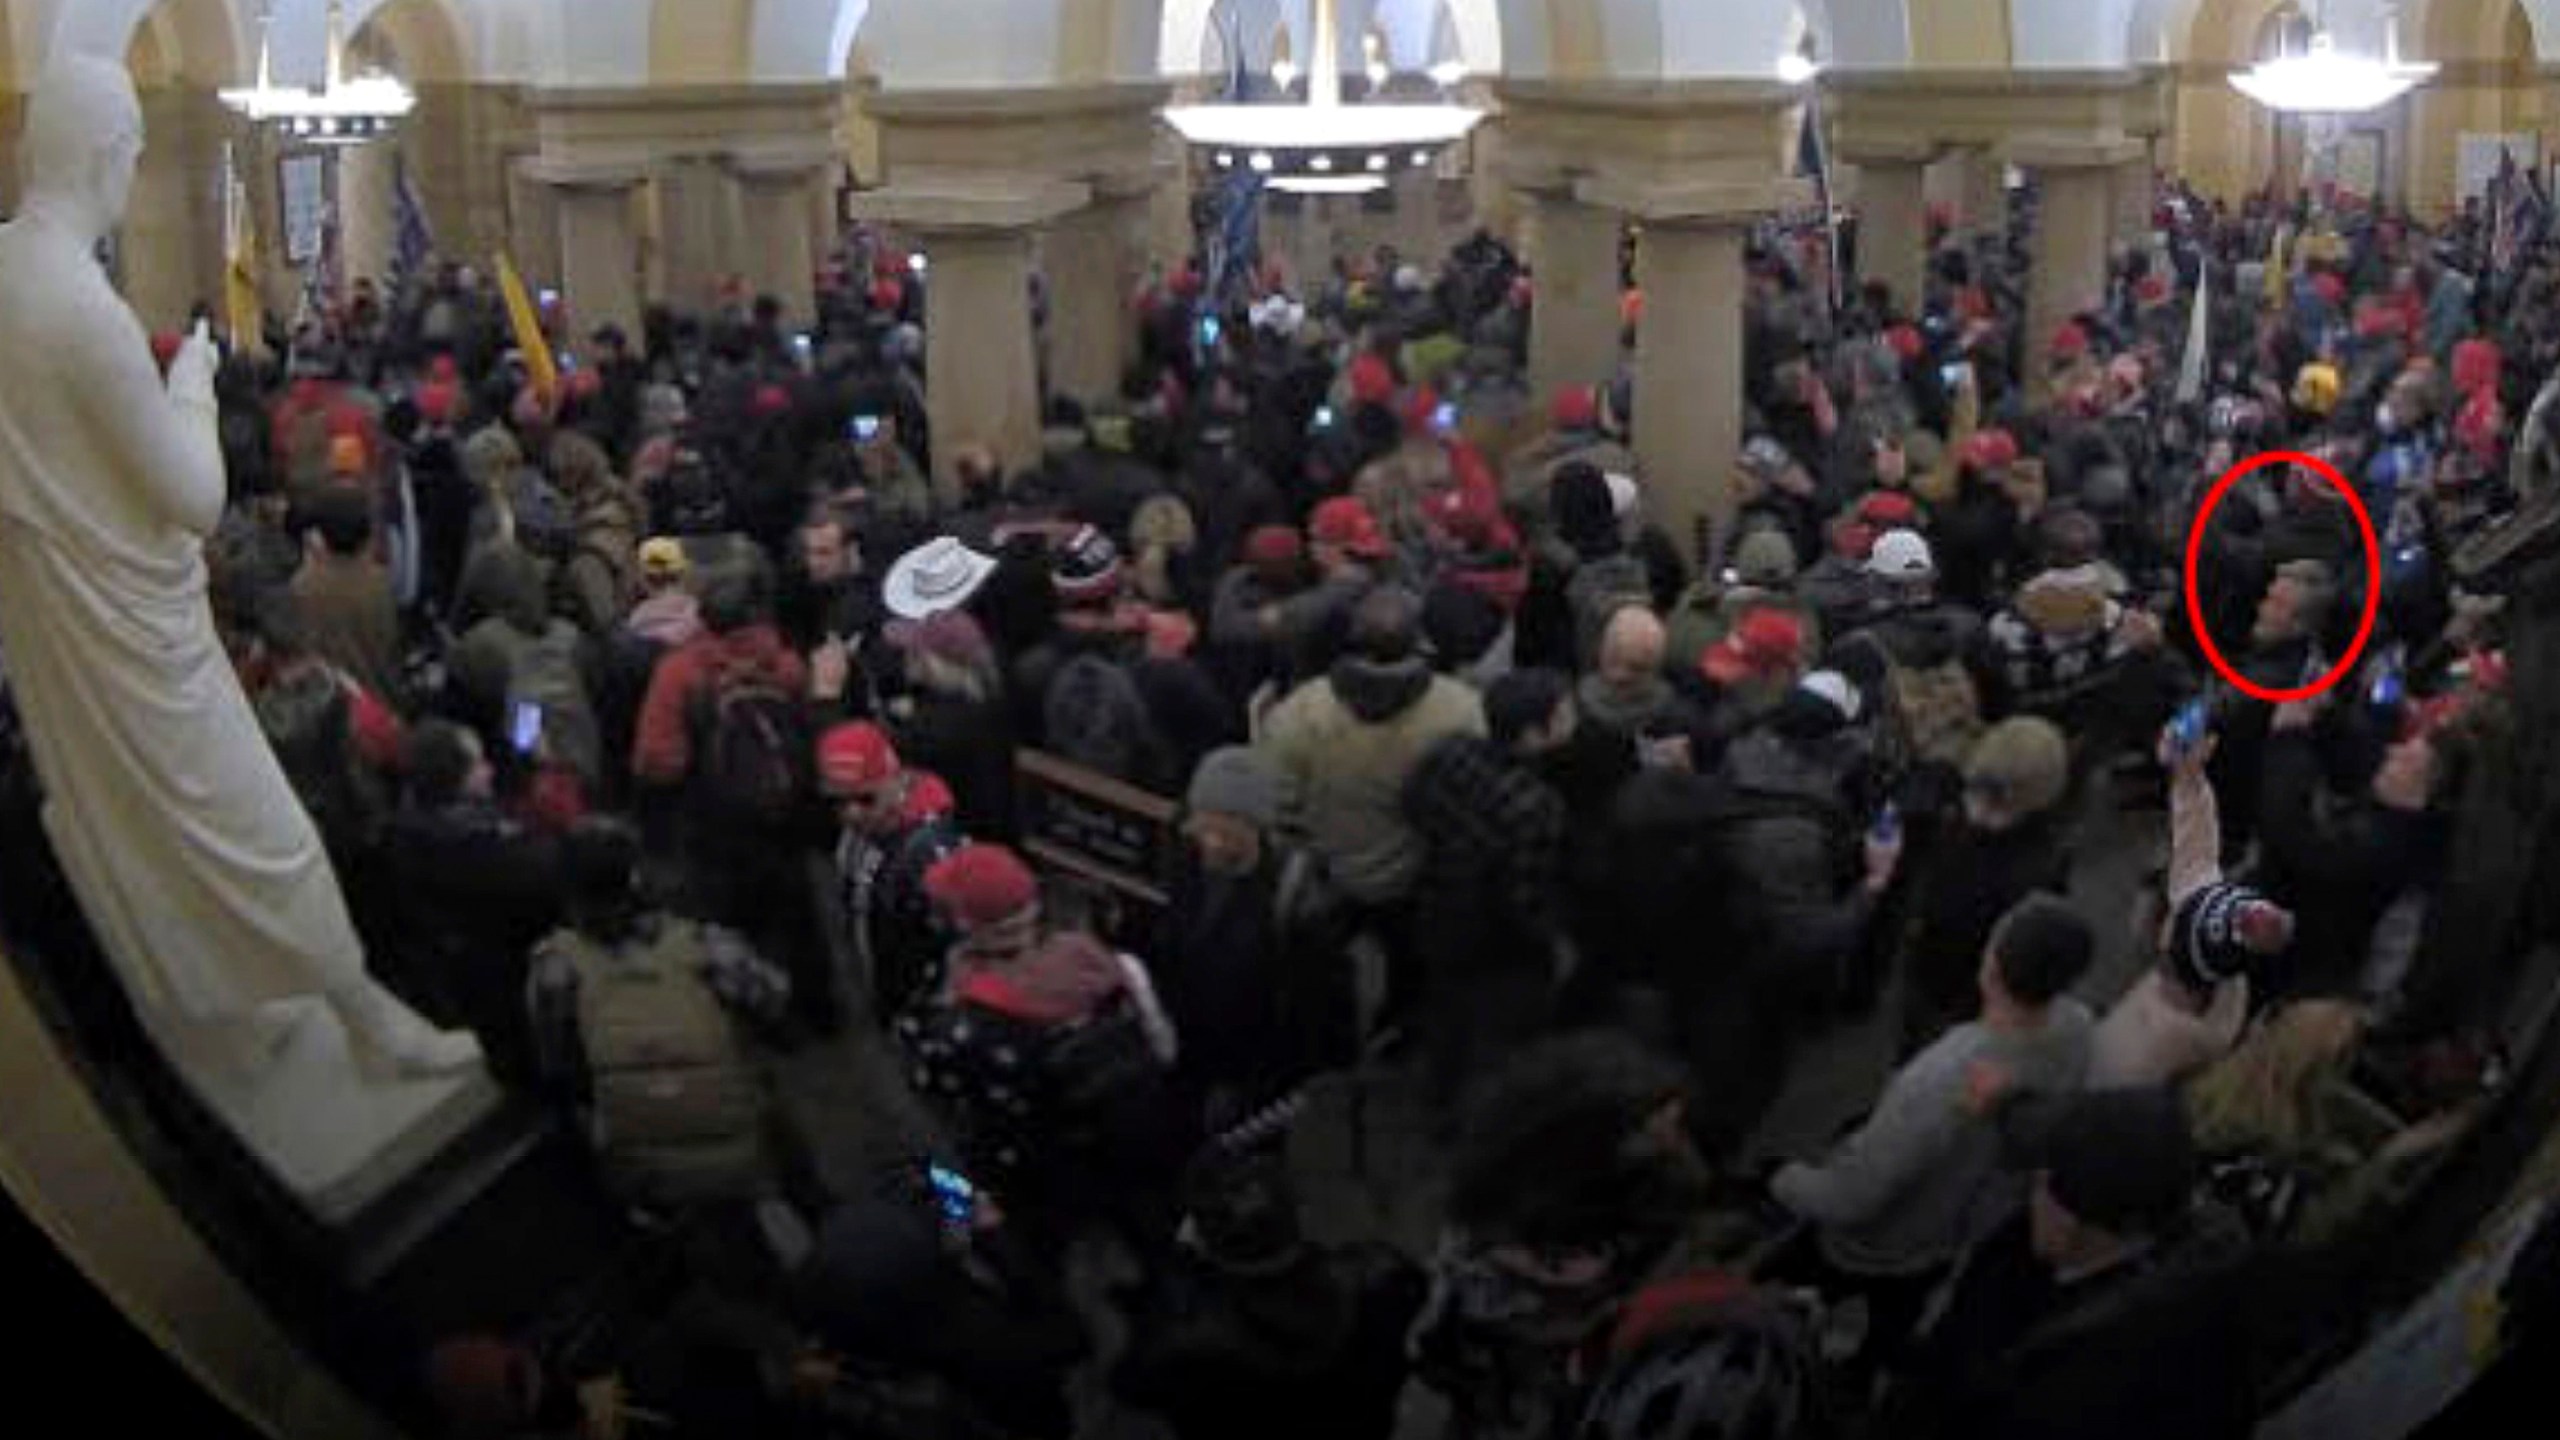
point(953, 1195)
point(866, 428)
point(1210, 329)
point(803, 349)
point(1955, 376)
point(524, 726)
point(1445, 418)
point(548, 297)
point(2188, 727)
point(1324, 417)
point(2390, 685)
point(1888, 827)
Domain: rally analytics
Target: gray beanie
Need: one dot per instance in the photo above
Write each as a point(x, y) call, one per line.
point(1236, 781)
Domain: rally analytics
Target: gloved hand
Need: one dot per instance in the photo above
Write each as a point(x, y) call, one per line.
point(191, 370)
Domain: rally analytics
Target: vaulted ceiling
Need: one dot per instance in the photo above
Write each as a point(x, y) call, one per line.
point(932, 44)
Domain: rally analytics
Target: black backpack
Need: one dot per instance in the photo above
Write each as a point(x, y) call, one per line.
point(1106, 1086)
point(755, 760)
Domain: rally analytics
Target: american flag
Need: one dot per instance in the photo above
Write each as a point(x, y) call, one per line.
point(2519, 211)
point(1813, 162)
point(413, 240)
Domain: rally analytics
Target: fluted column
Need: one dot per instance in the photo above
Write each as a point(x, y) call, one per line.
point(1089, 260)
point(981, 372)
point(170, 245)
point(2074, 222)
point(1893, 219)
point(534, 230)
point(701, 223)
point(774, 198)
point(1573, 327)
point(597, 241)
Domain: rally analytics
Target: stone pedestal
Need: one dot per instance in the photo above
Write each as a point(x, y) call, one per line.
point(1893, 221)
point(1087, 259)
point(2074, 222)
point(982, 380)
point(1573, 329)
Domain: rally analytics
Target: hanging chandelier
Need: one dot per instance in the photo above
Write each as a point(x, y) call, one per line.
point(1324, 147)
point(2322, 81)
point(343, 112)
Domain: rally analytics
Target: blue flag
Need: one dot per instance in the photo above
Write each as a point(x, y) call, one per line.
point(413, 239)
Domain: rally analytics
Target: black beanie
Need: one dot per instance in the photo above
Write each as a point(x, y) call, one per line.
point(1578, 499)
point(2205, 945)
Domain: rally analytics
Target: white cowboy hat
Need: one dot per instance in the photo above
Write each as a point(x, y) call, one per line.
point(936, 576)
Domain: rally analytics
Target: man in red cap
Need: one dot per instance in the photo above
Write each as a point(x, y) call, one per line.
point(1250, 609)
point(1574, 414)
point(896, 824)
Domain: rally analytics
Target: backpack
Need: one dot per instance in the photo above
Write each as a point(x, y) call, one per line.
point(1105, 1082)
point(545, 526)
point(1932, 714)
point(546, 674)
point(678, 1109)
point(755, 753)
point(1094, 716)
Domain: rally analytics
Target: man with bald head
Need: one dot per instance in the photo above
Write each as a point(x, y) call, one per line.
point(199, 870)
point(1628, 699)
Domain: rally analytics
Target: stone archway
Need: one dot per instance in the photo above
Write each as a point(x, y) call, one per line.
point(455, 147)
point(170, 247)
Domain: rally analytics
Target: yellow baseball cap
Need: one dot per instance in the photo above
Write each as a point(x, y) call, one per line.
point(662, 558)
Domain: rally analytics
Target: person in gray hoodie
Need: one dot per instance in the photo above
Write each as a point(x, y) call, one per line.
point(1901, 1196)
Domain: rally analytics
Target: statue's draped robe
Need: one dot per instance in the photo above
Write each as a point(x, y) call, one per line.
point(193, 859)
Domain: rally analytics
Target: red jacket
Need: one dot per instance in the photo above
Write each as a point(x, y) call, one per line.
point(662, 751)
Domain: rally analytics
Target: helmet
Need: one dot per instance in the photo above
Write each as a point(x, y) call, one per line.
point(1748, 1370)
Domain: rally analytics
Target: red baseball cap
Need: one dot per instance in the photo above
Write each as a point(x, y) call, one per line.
point(855, 756)
point(1574, 408)
point(982, 886)
point(1273, 546)
point(1373, 382)
point(1345, 523)
point(1764, 642)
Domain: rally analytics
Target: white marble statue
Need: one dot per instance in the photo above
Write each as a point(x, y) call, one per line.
point(197, 867)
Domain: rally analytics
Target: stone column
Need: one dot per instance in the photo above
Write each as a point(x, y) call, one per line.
point(366, 219)
point(2074, 221)
point(702, 225)
point(982, 376)
point(535, 228)
point(1087, 258)
point(599, 251)
point(774, 198)
point(12, 109)
point(1893, 221)
point(170, 244)
point(1688, 398)
point(1573, 329)
point(1417, 217)
point(1985, 208)
point(2130, 187)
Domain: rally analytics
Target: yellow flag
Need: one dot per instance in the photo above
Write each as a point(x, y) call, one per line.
point(538, 359)
point(243, 311)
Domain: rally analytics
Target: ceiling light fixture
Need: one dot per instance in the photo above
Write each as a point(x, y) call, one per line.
point(2322, 81)
point(1329, 184)
point(1794, 69)
point(343, 112)
point(1322, 123)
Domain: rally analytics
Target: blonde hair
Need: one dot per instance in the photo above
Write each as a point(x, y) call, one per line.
point(2026, 761)
point(2266, 1095)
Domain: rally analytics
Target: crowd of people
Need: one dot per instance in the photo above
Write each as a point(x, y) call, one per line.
point(668, 715)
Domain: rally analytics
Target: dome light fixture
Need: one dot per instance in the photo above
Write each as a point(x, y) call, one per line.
point(1322, 124)
point(343, 111)
point(2322, 81)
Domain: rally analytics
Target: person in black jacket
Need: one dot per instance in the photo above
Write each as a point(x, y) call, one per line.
point(954, 722)
point(1228, 983)
point(1254, 1334)
point(475, 891)
point(2110, 1309)
point(2341, 867)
